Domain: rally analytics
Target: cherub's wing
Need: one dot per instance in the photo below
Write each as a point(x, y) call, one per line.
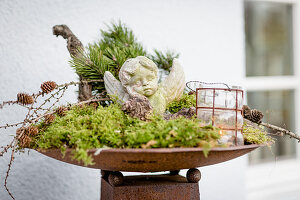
point(174, 84)
point(115, 88)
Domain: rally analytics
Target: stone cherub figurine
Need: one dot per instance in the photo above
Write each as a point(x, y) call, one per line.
point(139, 77)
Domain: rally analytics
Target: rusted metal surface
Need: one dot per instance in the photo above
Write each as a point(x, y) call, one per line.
point(115, 178)
point(193, 175)
point(154, 187)
point(154, 160)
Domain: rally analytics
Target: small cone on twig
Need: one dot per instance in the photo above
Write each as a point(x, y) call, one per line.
point(23, 138)
point(29, 131)
point(61, 111)
point(32, 131)
point(256, 116)
point(20, 130)
point(25, 99)
point(48, 86)
point(49, 118)
point(253, 115)
point(24, 141)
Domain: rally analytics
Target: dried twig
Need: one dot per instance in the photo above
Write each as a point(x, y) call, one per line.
point(5, 149)
point(12, 102)
point(279, 131)
point(12, 125)
point(7, 103)
point(33, 117)
point(80, 82)
point(7, 173)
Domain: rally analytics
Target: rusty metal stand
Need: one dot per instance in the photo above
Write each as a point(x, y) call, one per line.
point(146, 187)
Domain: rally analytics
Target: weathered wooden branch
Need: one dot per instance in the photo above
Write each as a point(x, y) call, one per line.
point(279, 131)
point(75, 49)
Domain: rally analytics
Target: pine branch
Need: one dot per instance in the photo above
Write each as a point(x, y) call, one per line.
point(164, 60)
point(118, 44)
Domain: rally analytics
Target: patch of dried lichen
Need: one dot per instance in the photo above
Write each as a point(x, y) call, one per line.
point(254, 135)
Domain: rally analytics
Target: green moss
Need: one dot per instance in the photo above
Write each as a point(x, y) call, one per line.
point(87, 128)
point(186, 101)
point(256, 136)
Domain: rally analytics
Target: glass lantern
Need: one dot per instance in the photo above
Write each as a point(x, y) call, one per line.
point(222, 108)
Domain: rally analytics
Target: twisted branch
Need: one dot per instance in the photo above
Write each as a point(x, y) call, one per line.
point(76, 50)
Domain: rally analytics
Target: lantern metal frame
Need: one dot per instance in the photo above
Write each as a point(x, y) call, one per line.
point(236, 109)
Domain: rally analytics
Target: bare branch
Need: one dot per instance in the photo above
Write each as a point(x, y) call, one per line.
point(12, 125)
point(33, 116)
point(8, 103)
point(279, 131)
point(7, 173)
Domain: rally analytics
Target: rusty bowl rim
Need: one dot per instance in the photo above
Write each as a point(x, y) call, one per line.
point(159, 150)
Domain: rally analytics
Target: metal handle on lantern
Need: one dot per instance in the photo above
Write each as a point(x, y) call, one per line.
point(205, 83)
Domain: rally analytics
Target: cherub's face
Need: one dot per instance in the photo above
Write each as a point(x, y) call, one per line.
point(143, 82)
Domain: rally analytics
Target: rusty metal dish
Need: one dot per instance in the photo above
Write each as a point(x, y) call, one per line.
point(153, 160)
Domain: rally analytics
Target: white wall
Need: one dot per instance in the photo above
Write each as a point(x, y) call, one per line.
point(208, 35)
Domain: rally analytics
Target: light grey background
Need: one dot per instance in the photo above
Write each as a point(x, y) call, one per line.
point(208, 35)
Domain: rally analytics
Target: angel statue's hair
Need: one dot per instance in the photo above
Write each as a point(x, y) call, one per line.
point(130, 66)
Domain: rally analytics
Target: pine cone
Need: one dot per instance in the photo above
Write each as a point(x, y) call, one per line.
point(61, 111)
point(138, 106)
point(25, 99)
point(253, 115)
point(256, 116)
point(24, 141)
point(48, 86)
point(32, 131)
point(20, 130)
point(49, 119)
point(246, 111)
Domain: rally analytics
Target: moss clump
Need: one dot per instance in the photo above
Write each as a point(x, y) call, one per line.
point(254, 135)
point(86, 128)
point(186, 101)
